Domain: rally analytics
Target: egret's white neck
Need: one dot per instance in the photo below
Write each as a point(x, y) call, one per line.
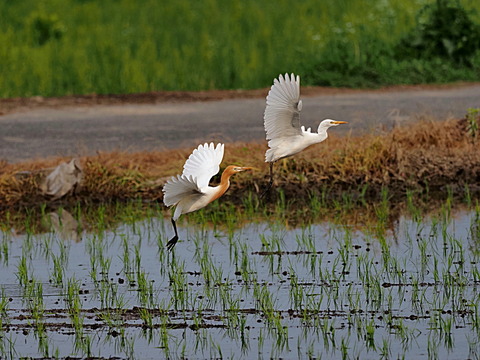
point(322, 130)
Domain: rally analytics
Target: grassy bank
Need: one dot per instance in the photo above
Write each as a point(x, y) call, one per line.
point(81, 47)
point(427, 157)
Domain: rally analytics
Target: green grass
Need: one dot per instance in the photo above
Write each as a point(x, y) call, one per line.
point(64, 47)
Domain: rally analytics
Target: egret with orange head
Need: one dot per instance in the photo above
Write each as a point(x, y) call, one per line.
point(285, 135)
point(190, 190)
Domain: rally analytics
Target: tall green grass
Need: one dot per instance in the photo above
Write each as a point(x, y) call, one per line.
point(61, 47)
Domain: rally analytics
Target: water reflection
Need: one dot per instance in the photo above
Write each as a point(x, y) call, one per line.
point(65, 225)
point(329, 289)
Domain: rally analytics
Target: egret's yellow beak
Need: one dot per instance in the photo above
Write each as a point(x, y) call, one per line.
point(340, 122)
point(242, 168)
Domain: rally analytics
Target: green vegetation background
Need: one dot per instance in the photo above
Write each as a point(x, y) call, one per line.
point(60, 47)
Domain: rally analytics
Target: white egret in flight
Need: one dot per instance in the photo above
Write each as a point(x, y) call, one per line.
point(285, 135)
point(190, 190)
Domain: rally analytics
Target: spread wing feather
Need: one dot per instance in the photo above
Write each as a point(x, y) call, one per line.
point(203, 163)
point(178, 188)
point(282, 113)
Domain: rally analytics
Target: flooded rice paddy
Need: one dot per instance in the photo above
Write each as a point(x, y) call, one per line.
point(260, 289)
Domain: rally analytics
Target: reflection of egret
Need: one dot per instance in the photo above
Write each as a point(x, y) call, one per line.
point(282, 122)
point(190, 190)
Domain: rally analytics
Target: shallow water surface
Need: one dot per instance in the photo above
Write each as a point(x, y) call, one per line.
point(264, 290)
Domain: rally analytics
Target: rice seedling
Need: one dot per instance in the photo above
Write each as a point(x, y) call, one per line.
point(4, 250)
point(413, 210)
point(23, 272)
point(247, 271)
point(146, 317)
point(472, 347)
point(385, 351)
point(128, 266)
point(178, 285)
point(475, 230)
point(83, 344)
point(4, 321)
point(127, 345)
point(58, 270)
point(370, 335)
point(33, 297)
point(146, 292)
point(73, 302)
point(82, 341)
point(7, 348)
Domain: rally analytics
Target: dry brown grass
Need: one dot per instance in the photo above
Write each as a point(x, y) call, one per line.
point(433, 154)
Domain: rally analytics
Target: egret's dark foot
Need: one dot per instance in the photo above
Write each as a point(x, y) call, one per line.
point(172, 242)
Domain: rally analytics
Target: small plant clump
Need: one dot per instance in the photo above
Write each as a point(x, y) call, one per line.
point(473, 120)
point(444, 29)
point(44, 28)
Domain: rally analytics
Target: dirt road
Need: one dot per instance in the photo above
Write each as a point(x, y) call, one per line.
point(78, 126)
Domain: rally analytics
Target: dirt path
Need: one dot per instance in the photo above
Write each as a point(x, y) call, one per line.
point(39, 127)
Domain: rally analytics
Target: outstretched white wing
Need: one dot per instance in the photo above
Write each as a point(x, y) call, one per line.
point(203, 163)
point(178, 188)
point(282, 114)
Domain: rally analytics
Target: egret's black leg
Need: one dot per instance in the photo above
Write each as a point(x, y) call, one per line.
point(270, 184)
point(171, 243)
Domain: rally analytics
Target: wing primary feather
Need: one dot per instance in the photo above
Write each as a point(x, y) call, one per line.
point(282, 113)
point(204, 162)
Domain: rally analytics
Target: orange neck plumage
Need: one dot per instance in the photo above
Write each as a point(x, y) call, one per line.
point(224, 182)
